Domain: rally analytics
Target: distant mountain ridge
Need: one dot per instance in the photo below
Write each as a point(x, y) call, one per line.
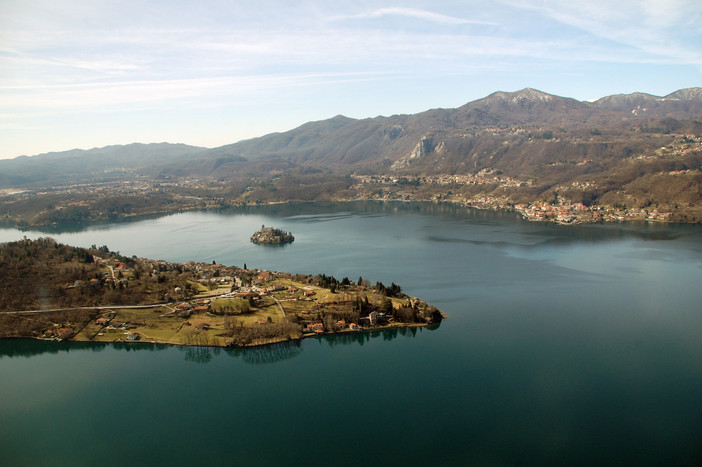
point(78, 165)
point(449, 135)
point(517, 132)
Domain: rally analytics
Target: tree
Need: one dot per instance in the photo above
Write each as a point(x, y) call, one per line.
point(394, 290)
point(328, 323)
point(359, 304)
point(386, 306)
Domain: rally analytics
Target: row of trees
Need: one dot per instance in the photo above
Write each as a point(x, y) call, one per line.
point(330, 282)
point(241, 335)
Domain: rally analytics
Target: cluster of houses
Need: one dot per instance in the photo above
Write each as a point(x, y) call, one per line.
point(318, 328)
point(374, 318)
point(574, 213)
point(109, 324)
point(564, 213)
point(185, 309)
point(114, 277)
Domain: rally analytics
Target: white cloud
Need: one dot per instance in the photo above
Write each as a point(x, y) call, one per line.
point(47, 99)
point(412, 13)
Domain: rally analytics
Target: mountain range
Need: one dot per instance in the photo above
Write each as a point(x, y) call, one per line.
point(620, 144)
point(492, 132)
point(486, 133)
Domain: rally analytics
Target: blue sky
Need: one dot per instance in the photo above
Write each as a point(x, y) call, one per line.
point(82, 74)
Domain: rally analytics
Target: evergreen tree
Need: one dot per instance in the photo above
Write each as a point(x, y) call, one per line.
point(386, 306)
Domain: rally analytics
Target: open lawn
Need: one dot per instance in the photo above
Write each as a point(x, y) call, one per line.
point(159, 325)
point(239, 319)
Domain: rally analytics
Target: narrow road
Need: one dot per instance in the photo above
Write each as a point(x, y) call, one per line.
point(279, 306)
point(101, 307)
point(126, 307)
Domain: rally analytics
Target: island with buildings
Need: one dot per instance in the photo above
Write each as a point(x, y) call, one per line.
point(271, 236)
point(61, 292)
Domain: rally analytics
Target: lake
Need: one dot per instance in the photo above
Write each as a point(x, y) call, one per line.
point(563, 345)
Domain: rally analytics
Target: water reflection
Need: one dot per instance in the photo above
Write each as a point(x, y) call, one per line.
point(268, 353)
point(13, 348)
point(199, 354)
point(556, 235)
point(75, 227)
point(134, 346)
point(262, 355)
point(361, 338)
point(274, 245)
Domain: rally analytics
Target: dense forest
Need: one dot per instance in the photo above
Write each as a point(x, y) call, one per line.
point(44, 274)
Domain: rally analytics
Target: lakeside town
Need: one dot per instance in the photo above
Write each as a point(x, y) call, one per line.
point(560, 210)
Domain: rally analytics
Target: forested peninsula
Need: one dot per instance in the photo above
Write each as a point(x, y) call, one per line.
point(59, 292)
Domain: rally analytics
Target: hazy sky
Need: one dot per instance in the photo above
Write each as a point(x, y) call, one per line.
point(82, 74)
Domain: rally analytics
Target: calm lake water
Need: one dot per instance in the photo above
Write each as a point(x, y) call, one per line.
point(564, 345)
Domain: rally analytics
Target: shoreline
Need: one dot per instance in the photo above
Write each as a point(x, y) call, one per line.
point(253, 345)
point(603, 215)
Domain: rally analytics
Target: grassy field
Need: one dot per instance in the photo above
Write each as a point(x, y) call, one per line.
point(162, 325)
point(272, 317)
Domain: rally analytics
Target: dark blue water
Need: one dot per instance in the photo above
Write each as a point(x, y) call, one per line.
point(564, 345)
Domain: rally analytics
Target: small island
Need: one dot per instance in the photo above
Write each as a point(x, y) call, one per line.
point(271, 236)
point(60, 292)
